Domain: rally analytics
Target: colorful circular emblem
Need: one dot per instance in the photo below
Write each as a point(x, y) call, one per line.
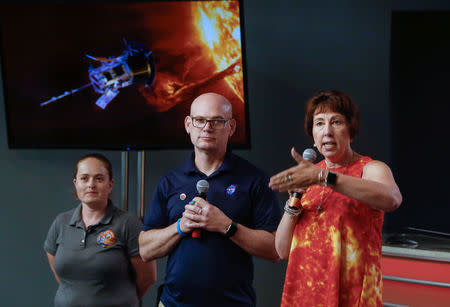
point(106, 238)
point(231, 189)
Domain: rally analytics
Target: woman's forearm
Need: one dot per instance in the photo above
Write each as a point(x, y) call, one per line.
point(283, 237)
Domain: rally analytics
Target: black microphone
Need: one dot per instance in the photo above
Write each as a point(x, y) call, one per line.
point(309, 154)
point(202, 188)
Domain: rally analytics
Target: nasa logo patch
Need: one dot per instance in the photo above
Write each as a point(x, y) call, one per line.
point(106, 238)
point(231, 189)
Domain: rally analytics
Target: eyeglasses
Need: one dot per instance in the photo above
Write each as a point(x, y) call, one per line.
point(217, 123)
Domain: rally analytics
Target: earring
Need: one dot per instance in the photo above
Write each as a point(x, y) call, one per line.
point(314, 145)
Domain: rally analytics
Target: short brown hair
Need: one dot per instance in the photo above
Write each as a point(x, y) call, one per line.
point(335, 101)
point(99, 157)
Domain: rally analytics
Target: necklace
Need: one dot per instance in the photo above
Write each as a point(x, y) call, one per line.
point(320, 207)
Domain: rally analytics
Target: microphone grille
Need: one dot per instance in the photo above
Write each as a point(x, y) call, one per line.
point(202, 186)
point(309, 154)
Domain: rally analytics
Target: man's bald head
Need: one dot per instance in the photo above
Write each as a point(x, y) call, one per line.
point(211, 107)
point(226, 106)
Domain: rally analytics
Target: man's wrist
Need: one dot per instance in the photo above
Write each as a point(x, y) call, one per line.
point(230, 230)
point(180, 232)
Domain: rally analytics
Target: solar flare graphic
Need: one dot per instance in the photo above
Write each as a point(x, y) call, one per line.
point(219, 28)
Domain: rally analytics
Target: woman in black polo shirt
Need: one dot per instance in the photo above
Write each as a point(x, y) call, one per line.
point(93, 249)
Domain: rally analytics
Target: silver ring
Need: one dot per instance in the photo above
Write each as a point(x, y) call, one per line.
point(200, 211)
point(288, 178)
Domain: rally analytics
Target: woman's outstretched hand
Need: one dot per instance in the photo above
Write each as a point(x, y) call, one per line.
point(297, 177)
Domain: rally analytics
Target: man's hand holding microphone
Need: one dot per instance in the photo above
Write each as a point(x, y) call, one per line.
point(200, 214)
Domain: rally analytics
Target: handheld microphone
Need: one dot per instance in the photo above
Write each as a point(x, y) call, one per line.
point(202, 188)
point(309, 154)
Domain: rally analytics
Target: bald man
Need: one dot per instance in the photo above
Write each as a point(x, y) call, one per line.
point(237, 221)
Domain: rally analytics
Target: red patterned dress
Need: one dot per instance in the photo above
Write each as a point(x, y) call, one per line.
point(335, 253)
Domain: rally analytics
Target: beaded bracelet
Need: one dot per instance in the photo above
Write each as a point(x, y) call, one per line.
point(179, 229)
point(292, 211)
point(320, 177)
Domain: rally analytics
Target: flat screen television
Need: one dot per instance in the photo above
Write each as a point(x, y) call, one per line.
point(118, 75)
point(420, 66)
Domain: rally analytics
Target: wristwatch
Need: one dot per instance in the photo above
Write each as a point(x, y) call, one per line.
point(231, 229)
point(331, 178)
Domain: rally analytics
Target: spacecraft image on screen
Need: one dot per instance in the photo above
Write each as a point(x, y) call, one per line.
point(116, 75)
point(135, 66)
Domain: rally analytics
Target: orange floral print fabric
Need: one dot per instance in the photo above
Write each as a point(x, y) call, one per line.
point(335, 254)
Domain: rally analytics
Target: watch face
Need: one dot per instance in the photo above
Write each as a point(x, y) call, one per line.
point(331, 178)
point(231, 229)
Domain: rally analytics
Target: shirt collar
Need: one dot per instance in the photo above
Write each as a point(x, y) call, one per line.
point(227, 164)
point(106, 218)
point(76, 217)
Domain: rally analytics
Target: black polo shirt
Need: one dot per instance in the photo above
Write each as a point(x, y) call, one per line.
point(213, 270)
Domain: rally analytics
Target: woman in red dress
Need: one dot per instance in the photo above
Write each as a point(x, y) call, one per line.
point(333, 238)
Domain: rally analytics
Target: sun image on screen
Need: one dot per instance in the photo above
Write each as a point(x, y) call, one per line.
point(118, 75)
